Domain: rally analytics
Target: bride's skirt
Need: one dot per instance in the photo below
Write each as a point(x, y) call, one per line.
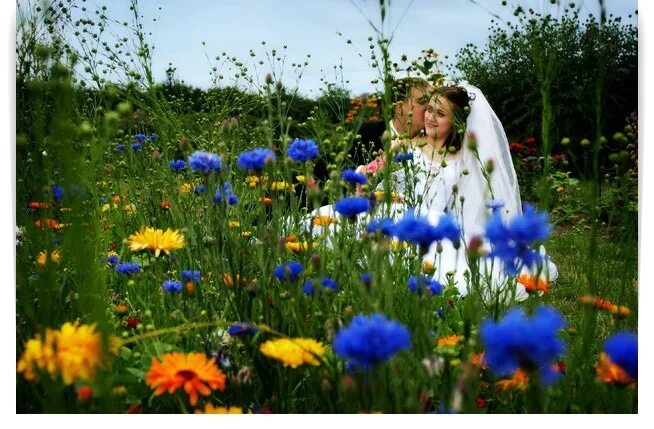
point(450, 264)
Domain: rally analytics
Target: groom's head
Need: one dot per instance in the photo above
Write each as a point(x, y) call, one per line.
point(409, 104)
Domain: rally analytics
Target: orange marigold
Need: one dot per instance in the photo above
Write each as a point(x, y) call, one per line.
point(449, 340)
point(609, 372)
point(192, 372)
point(519, 381)
point(533, 284)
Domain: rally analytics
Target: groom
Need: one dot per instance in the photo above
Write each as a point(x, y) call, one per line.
point(408, 96)
point(409, 104)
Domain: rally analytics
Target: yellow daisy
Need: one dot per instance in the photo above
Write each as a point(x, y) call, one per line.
point(294, 352)
point(156, 240)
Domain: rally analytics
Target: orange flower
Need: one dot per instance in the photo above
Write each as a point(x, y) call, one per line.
point(519, 381)
point(49, 223)
point(165, 205)
point(323, 220)
point(478, 360)
point(267, 201)
point(228, 280)
point(533, 284)
point(449, 340)
point(38, 205)
point(609, 372)
point(606, 305)
point(192, 372)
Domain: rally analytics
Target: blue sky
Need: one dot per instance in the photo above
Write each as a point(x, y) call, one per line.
point(311, 27)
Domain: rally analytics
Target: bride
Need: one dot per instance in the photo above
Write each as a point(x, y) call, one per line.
point(462, 168)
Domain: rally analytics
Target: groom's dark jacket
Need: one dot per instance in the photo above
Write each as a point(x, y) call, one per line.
point(360, 152)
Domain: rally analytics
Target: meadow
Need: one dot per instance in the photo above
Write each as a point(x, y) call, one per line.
point(166, 261)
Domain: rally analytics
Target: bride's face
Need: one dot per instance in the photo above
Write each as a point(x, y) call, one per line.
point(438, 118)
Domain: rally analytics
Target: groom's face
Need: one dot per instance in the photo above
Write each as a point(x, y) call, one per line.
point(413, 112)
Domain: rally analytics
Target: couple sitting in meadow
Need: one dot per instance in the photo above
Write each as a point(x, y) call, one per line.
point(452, 169)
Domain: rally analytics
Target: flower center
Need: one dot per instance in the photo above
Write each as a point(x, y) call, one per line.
point(187, 374)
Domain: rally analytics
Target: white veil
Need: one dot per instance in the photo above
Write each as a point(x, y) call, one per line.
point(492, 144)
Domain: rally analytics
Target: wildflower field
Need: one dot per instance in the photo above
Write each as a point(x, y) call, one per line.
point(167, 260)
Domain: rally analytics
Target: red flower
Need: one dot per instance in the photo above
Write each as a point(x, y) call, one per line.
point(85, 394)
point(481, 402)
point(531, 141)
point(557, 158)
point(132, 322)
point(112, 245)
point(515, 147)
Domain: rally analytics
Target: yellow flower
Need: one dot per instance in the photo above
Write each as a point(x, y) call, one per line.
point(79, 352)
point(156, 240)
point(395, 197)
point(107, 206)
point(74, 351)
point(299, 246)
point(130, 208)
point(323, 220)
point(234, 224)
point(399, 245)
point(55, 257)
point(294, 352)
point(252, 181)
point(185, 188)
point(211, 409)
point(281, 186)
point(246, 234)
point(428, 268)
point(39, 354)
point(519, 381)
point(300, 178)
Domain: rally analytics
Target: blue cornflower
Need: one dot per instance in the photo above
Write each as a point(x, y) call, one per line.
point(152, 137)
point(416, 229)
point(227, 193)
point(172, 286)
point(199, 189)
point(140, 138)
point(530, 344)
point(447, 228)
point(352, 206)
point(404, 156)
point(58, 193)
point(191, 275)
point(622, 349)
point(255, 159)
point(352, 176)
point(112, 260)
point(495, 205)
point(120, 147)
point(128, 268)
point(205, 162)
point(512, 243)
point(177, 165)
point(366, 279)
point(324, 282)
point(419, 284)
point(385, 226)
point(371, 340)
point(241, 329)
point(136, 147)
point(289, 271)
point(302, 150)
